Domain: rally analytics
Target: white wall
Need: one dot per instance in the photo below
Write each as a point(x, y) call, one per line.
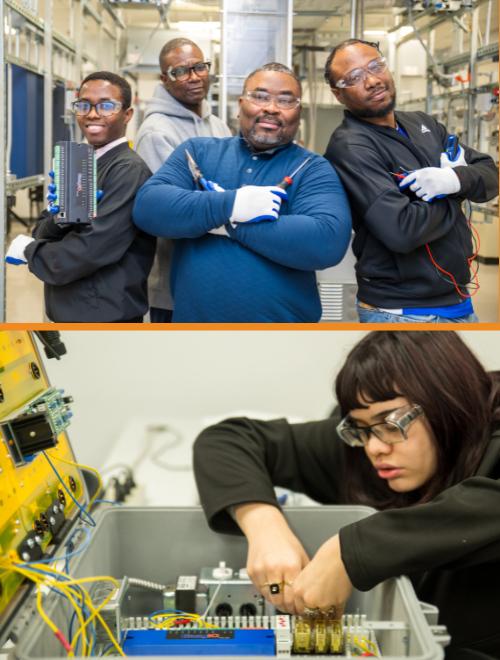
point(117, 376)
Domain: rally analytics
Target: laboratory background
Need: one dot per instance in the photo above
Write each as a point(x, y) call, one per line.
point(443, 57)
point(106, 551)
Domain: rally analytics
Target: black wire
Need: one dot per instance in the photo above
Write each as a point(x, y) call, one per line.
point(46, 344)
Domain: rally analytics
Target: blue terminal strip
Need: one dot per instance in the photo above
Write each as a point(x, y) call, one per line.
point(205, 641)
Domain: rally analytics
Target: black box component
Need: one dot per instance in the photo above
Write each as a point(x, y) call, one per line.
point(34, 433)
point(75, 172)
point(185, 593)
point(55, 516)
point(31, 548)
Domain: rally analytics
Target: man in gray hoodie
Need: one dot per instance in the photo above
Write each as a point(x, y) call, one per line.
point(178, 111)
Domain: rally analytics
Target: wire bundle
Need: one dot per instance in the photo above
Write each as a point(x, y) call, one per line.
point(165, 619)
point(62, 584)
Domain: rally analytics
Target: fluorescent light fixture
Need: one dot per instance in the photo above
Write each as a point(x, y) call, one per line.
point(407, 29)
point(375, 32)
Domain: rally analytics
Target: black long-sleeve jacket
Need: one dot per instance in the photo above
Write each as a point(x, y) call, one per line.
point(98, 273)
point(449, 547)
point(394, 269)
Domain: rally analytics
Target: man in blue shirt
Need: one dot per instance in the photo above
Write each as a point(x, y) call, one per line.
point(246, 251)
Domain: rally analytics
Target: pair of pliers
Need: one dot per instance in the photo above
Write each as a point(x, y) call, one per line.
point(199, 180)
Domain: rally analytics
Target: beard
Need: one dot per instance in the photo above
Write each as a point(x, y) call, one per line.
point(368, 113)
point(264, 137)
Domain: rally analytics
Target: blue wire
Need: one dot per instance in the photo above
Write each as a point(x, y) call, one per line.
point(72, 554)
point(64, 557)
point(69, 492)
point(107, 502)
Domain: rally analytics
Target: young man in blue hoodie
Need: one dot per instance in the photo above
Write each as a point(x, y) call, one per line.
point(178, 111)
point(247, 251)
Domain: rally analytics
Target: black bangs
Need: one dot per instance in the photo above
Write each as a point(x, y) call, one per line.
point(369, 374)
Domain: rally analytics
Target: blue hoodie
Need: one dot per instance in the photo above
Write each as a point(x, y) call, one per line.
point(265, 272)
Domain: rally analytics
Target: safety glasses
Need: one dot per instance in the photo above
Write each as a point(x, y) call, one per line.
point(263, 99)
point(103, 109)
point(391, 430)
point(184, 72)
point(358, 76)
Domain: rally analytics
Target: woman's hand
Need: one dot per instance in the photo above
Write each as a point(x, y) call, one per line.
point(324, 582)
point(275, 555)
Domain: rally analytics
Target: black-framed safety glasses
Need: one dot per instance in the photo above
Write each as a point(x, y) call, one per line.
point(103, 109)
point(358, 76)
point(392, 430)
point(182, 73)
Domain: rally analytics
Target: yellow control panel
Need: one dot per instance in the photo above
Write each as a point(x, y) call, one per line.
point(34, 504)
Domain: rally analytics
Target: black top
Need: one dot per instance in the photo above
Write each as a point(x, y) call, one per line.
point(449, 547)
point(97, 273)
point(394, 269)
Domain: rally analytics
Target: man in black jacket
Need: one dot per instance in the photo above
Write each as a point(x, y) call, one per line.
point(413, 242)
point(97, 273)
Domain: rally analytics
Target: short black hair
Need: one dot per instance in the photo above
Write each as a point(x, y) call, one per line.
point(114, 79)
point(344, 44)
point(275, 66)
point(173, 44)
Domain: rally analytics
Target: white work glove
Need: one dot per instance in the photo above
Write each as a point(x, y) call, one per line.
point(257, 203)
point(15, 254)
point(459, 159)
point(220, 231)
point(431, 182)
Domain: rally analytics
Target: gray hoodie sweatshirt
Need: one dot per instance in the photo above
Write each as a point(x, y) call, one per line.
point(167, 124)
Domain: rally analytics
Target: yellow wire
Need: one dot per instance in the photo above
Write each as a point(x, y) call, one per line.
point(65, 587)
point(364, 639)
point(87, 467)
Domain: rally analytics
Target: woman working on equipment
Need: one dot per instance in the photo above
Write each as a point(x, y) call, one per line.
point(420, 421)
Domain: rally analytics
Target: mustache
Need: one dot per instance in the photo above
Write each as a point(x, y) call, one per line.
point(380, 88)
point(269, 118)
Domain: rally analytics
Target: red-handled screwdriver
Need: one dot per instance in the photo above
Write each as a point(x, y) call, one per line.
point(288, 179)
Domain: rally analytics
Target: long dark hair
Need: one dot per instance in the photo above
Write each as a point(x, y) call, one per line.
point(436, 370)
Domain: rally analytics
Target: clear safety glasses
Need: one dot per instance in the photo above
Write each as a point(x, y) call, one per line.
point(103, 109)
point(263, 99)
point(184, 72)
point(356, 77)
point(391, 430)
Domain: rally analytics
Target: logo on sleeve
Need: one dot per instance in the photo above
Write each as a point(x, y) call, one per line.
point(425, 129)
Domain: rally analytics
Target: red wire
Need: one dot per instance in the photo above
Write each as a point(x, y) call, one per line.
point(464, 295)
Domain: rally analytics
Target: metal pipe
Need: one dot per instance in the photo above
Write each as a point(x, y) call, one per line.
point(47, 93)
point(8, 149)
point(3, 197)
point(488, 21)
point(473, 76)
point(9, 26)
point(354, 19)
point(362, 19)
point(28, 43)
point(18, 32)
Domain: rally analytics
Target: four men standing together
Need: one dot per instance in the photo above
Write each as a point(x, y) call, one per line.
point(233, 246)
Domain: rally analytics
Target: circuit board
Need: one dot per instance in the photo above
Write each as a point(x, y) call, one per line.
point(29, 488)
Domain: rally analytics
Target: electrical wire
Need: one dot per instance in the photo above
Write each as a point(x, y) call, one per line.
point(170, 618)
point(178, 440)
point(163, 16)
point(80, 465)
point(72, 589)
point(211, 601)
point(82, 509)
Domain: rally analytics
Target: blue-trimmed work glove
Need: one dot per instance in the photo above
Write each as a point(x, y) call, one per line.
point(432, 182)
point(257, 203)
point(15, 253)
point(458, 162)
